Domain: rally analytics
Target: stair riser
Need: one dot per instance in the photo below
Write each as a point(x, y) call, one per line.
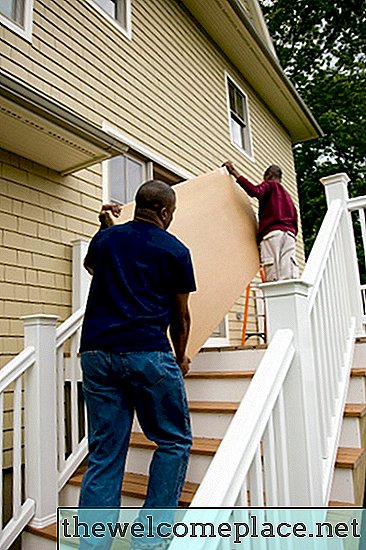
point(34, 542)
point(70, 497)
point(357, 390)
point(351, 433)
point(203, 424)
point(359, 358)
point(227, 360)
point(343, 486)
point(232, 389)
point(138, 461)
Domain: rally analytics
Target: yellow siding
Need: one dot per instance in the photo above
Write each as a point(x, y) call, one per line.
point(164, 88)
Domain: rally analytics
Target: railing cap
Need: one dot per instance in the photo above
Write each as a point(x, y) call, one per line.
point(286, 288)
point(39, 319)
point(342, 177)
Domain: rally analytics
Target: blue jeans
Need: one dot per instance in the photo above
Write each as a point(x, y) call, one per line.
point(115, 385)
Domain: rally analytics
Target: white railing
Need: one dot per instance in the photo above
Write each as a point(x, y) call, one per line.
point(333, 325)
point(72, 442)
point(358, 205)
point(256, 460)
point(11, 378)
point(280, 448)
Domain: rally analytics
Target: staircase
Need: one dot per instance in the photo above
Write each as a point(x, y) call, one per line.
point(221, 379)
point(283, 426)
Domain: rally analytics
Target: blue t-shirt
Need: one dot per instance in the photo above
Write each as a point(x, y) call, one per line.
point(138, 268)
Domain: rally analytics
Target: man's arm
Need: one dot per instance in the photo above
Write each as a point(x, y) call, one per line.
point(179, 330)
point(105, 221)
point(256, 191)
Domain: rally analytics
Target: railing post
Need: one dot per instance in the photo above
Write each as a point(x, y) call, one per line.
point(336, 188)
point(40, 418)
point(287, 307)
point(80, 276)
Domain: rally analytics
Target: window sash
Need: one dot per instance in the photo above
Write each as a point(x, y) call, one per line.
point(13, 10)
point(116, 9)
point(125, 175)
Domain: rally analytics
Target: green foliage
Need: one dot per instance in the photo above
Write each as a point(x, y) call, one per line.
point(321, 44)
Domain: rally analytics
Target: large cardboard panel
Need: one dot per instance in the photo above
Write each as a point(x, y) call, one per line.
point(215, 220)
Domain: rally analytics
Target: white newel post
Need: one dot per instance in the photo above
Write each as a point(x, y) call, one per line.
point(80, 276)
point(40, 419)
point(336, 188)
point(287, 307)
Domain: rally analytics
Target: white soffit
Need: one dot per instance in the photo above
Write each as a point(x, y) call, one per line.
point(42, 141)
point(48, 133)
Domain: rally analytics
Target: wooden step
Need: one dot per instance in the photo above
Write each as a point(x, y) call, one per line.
point(135, 485)
point(220, 407)
point(349, 457)
point(49, 532)
point(355, 410)
point(201, 445)
point(338, 504)
point(233, 348)
point(220, 374)
point(358, 371)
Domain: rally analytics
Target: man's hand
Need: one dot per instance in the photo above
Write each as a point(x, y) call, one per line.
point(104, 217)
point(231, 169)
point(184, 365)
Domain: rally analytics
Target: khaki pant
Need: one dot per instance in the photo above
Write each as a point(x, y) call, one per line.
point(278, 256)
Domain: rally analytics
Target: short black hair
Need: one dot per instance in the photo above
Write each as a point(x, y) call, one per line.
point(155, 195)
point(274, 171)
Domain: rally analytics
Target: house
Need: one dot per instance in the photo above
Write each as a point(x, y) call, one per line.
point(97, 96)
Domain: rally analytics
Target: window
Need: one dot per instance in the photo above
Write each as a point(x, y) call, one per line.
point(239, 117)
point(125, 175)
point(117, 10)
point(17, 16)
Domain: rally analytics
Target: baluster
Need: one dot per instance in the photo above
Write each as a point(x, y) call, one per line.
point(269, 462)
point(17, 447)
point(61, 408)
point(1, 455)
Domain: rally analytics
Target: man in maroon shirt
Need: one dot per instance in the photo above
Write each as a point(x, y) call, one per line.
point(277, 228)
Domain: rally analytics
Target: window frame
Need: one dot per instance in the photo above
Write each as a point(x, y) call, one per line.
point(25, 30)
point(127, 30)
point(147, 173)
point(248, 150)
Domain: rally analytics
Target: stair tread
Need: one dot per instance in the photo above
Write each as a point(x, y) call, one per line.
point(349, 457)
point(358, 371)
point(339, 504)
point(355, 409)
point(136, 484)
point(221, 374)
point(201, 445)
point(49, 532)
point(233, 348)
point(213, 406)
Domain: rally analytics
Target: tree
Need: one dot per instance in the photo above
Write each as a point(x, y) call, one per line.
point(321, 45)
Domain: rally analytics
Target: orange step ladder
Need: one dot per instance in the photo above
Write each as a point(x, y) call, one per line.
point(260, 311)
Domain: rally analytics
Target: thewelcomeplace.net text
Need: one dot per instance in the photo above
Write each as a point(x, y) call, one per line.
point(254, 527)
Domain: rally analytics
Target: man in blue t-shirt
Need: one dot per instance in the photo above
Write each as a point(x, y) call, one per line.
point(142, 277)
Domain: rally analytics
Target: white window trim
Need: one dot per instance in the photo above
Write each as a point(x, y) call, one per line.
point(126, 31)
point(219, 341)
point(249, 154)
point(26, 31)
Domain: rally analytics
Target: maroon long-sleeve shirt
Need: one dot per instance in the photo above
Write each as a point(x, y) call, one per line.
point(276, 208)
